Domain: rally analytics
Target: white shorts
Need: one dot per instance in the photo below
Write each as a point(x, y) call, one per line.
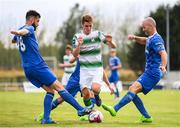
point(65, 79)
point(89, 76)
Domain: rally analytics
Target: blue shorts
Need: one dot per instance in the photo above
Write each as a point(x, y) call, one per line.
point(148, 81)
point(40, 76)
point(114, 79)
point(73, 86)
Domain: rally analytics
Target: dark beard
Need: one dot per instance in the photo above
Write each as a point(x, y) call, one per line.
point(34, 26)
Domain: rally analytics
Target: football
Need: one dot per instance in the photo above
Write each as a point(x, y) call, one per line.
point(95, 117)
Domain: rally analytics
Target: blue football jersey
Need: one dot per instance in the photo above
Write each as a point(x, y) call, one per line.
point(28, 47)
point(154, 45)
point(114, 61)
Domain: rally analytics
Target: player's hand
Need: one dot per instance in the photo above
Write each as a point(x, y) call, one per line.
point(163, 69)
point(113, 68)
point(14, 32)
point(108, 38)
point(131, 37)
point(111, 90)
point(80, 41)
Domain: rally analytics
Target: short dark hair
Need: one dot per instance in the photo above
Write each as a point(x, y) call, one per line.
point(68, 47)
point(86, 18)
point(32, 13)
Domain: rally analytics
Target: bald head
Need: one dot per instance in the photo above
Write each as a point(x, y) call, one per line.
point(150, 21)
point(149, 26)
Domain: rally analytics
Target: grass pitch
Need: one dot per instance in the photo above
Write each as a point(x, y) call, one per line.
point(18, 109)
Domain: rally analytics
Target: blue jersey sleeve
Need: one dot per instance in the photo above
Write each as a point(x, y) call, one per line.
point(158, 45)
point(30, 29)
point(118, 61)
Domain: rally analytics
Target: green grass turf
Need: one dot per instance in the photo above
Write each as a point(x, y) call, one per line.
point(18, 109)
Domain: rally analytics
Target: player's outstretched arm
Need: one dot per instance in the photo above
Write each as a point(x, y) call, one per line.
point(105, 79)
point(140, 40)
point(111, 43)
point(66, 65)
point(21, 32)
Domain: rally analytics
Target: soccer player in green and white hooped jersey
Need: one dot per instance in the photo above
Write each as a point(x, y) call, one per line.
point(88, 45)
point(68, 67)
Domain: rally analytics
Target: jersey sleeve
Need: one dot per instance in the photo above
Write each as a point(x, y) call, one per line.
point(158, 45)
point(74, 42)
point(118, 61)
point(64, 59)
point(102, 37)
point(30, 29)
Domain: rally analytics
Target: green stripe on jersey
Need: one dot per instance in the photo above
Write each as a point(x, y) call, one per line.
point(91, 65)
point(67, 60)
point(91, 40)
point(90, 52)
point(68, 72)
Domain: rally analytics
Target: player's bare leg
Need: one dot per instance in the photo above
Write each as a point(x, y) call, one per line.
point(96, 89)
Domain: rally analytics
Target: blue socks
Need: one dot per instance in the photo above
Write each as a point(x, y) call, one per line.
point(130, 96)
point(125, 100)
point(140, 106)
point(70, 99)
point(47, 104)
point(117, 92)
point(55, 103)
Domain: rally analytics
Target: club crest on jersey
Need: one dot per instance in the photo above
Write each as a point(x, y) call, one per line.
point(92, 40)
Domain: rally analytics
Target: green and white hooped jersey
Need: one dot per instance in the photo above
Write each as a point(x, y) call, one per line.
point(66, 60)
point(91, 49)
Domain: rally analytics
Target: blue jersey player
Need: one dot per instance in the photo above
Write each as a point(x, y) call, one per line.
point(35, 68)
point(114, 65)
point(156, 61)
point(73, 87)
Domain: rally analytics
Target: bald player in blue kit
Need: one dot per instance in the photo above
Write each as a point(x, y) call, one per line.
point(36, 69)
point(156, 61)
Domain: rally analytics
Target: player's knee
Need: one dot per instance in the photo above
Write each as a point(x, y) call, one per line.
point(58, 86)
point(96, 88)
point(86, 93)
point(135, 87)
point(50, 90)
point(132, 88)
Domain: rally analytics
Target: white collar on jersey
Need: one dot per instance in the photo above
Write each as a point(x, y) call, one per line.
point(85, 34)
point(152, 35)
